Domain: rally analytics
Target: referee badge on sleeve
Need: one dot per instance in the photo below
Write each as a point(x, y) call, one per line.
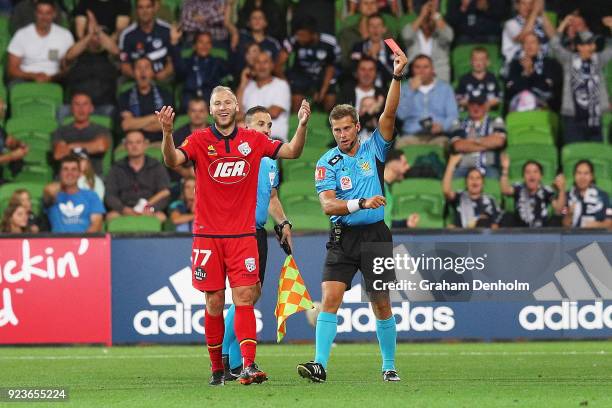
point(320, 174)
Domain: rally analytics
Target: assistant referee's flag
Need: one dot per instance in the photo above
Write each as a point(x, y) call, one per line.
point(293, 296)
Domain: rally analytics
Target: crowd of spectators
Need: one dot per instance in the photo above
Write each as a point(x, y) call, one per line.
point(124, 62)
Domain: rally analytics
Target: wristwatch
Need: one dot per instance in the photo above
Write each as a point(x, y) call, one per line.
point(362, 203)
point(282, 225)
point(399, 77)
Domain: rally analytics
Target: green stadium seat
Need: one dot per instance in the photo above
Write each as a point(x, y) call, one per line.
point(422, 196)
point(461, 59)
point(35, 99)
point(605, 185)
point(319, 132)
point(31, 124)
point(534, 127)
point(34, 187)
point(180, 121)
point(33, 173)
point(607, 126)
point(544, 154)
point(134, 223)
point(312, 153)
point(301, 203)
point(412, 152)
point(104, 121)
point(151, 151)
point(301, 170)
point(599, 154)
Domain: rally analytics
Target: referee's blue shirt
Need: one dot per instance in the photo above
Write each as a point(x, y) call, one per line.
point(354, 177)
point(267, 180)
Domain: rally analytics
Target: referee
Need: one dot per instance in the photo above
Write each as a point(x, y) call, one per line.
point(349, 181)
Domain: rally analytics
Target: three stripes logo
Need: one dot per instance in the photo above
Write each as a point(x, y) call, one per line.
point(587, 278)
point(177, 309)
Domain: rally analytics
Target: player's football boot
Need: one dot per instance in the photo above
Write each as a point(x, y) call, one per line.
point(230, 374)
point(313, 371)
point(216, 378)
point(252, 374)
point(390, 375)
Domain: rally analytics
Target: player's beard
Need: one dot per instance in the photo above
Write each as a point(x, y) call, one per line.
point(225, 123)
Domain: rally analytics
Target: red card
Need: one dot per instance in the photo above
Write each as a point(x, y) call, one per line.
point(393, 45)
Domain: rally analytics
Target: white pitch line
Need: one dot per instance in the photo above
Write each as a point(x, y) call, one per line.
point(406, 354)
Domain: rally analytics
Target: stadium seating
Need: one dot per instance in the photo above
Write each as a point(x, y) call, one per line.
point(298, 170)
point(302, 206)
point(33, 99)
point(412, 152)
point(134, 223)
point(151, 151)
point(544, 154)
point(104, 121)
point(319, 131)
point(491, 187)
point(422, 196)
point(34, 187)
point(461, 59)
point(534, 127)
point(598, 153)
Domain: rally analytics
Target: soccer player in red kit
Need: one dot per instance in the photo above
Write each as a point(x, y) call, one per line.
point(226, 160)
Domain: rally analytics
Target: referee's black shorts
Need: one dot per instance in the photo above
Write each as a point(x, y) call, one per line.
point(262, 248)
point(348, 255)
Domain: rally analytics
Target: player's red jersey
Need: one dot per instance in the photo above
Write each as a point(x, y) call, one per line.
point(226, 170)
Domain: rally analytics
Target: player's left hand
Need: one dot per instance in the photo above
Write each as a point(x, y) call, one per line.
point(165, 116)
point(286, 237)
point(304, 113)
point(399, 63)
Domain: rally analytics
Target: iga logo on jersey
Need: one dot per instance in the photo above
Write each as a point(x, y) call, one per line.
point(229, 170)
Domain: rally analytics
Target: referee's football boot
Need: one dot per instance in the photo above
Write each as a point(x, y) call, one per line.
point(315, 372)
point(252, 374)
point(228, 373)
point(390, 376)
point(217, 378)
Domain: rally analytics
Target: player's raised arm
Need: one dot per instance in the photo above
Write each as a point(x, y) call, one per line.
point(387, 118)
point(293, 149)
point(172, 156)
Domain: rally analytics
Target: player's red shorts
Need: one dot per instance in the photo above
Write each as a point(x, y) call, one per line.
point(213, 259)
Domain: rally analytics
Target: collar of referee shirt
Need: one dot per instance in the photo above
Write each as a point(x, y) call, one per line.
point(220, 135)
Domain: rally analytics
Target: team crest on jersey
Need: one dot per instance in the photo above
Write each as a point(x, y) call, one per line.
point(244, 148)
point(320, 174)
point(249, 263)
point(346, 183)
point(211, 150)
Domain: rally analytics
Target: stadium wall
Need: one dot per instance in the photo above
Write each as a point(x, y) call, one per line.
point(61, 289)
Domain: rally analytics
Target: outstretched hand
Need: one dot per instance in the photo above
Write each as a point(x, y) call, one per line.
point(304, 113)
point(399, 62)
point(165, 116)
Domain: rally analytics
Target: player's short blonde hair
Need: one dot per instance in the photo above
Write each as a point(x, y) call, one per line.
point(221, 88)
point(340, 111)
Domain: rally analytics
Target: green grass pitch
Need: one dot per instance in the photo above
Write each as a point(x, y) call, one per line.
point(533, 374)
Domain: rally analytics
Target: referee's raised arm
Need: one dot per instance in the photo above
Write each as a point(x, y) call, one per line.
point(172, 156)
point(386, 122)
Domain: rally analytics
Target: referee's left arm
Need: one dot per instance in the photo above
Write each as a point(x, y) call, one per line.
point(386, 123)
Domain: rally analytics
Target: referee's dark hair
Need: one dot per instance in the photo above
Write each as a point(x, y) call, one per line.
point(255, 109)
